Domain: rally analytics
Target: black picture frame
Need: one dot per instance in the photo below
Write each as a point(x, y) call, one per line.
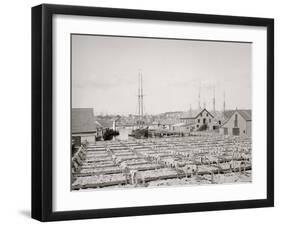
point(42, 107)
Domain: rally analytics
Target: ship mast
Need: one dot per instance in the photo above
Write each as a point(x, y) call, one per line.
point(214, 100)
point(199, 97)
point(140, 101)
point(224, 102)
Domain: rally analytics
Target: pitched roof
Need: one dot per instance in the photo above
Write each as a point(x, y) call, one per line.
point(103, 123)
point(195, 113)
point(227, 114)
point(83, 120)
point(246, 114)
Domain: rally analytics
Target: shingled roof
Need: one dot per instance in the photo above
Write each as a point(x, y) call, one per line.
point(83, 120)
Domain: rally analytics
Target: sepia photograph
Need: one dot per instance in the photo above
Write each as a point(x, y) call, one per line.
point(155, 112)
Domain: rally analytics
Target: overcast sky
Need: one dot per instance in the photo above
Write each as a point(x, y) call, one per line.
point(105, 74)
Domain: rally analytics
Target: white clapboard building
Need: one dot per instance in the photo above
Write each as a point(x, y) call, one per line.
point(239, 123)
point(198, 120)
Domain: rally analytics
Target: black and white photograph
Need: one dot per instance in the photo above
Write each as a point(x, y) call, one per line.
point(150, 112)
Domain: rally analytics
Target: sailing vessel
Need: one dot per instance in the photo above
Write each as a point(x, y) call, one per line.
point(142, 130)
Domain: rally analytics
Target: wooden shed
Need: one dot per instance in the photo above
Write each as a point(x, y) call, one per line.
point(239, 123)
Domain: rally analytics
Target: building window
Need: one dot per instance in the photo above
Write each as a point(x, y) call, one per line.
point(236, 121)
point(219, 122)
point(197, 126)
point(210, 120)
point(207, 114)
point(225, 131)
point(198, 120)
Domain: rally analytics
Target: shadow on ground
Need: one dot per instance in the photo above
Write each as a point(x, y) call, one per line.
point(25, 213)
